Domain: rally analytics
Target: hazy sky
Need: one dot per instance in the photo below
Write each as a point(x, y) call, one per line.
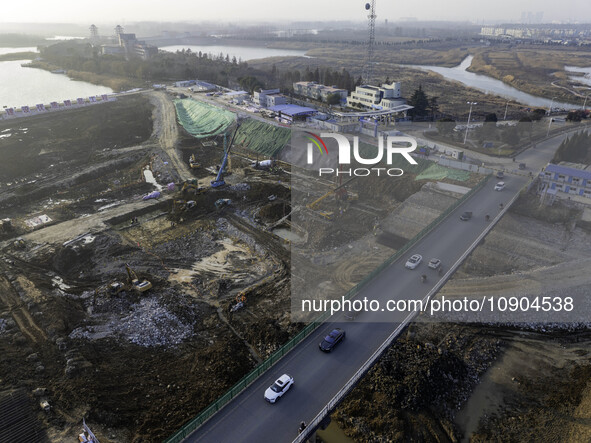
point(110, 11)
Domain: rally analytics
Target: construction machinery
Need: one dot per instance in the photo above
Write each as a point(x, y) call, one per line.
point(115, 288)
point(192, 186)
point(318, 200)
point(219, 204)
point(193, 162)
point(134, 281)
point(219, 180)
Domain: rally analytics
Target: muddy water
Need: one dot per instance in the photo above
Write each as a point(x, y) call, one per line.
point(334, 434)
point(528, 355)
point(288, 234)
point(149, 177)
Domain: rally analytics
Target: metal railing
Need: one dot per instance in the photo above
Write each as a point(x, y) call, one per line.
point(243, 383)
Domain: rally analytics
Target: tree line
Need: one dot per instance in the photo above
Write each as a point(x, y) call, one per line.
point(220, 69)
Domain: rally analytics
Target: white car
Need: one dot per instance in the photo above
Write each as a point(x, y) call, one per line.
point(280, 387)
point(434, 263)
point(500, 186)
point(413, 262)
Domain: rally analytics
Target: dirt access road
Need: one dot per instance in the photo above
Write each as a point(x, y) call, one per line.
point(166, 132)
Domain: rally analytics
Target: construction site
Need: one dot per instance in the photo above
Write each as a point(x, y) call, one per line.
point(147, 259)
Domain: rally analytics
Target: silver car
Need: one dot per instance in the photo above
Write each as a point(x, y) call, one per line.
point(413, 262)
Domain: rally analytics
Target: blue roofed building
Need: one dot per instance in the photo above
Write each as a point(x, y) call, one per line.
point(290, 113)
point(569, 180)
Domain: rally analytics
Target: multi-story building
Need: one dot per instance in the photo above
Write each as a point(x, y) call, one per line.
point(374, 97)
point(130, 46)
point(319, 92)
point(269, 97)
point(567, 180)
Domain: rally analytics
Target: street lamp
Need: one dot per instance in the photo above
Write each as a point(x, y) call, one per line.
point(585, 103)
point(469, 115)
point(506, 106)
point(551, 103)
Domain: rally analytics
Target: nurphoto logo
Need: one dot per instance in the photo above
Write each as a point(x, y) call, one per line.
point(401, 145)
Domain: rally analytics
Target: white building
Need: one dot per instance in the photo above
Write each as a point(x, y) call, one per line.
point(319, 92)
point(374, 97)
point(269, 97)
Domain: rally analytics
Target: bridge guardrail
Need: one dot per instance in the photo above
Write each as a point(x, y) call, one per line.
point(249, 378)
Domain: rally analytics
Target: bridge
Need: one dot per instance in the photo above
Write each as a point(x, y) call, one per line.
point(322, 380)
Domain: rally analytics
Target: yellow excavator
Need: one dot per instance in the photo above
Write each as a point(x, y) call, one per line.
point(193, 162)
point(192, 186)
point(134, 281)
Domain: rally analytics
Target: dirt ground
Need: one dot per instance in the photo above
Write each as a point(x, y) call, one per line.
point(106, 356)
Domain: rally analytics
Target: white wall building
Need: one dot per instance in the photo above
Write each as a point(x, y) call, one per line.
point(374, 97)
point(319, 92)
point(269, 97)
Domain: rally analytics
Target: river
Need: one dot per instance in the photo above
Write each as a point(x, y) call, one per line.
point(491, 85)
point(28, 86)
point(585, 79)
point(240, 52)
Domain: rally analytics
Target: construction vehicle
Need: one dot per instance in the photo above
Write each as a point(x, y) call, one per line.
point(193, 162)
point(219, 180)
point(317, 201)
point(20, 243)
point(134, 281)
point(115, 288)
point(222, 202)
point(192, 186)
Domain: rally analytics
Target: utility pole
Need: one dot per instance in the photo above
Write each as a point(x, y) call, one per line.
point(468, 124)
point(506, 106)
point(551, 103)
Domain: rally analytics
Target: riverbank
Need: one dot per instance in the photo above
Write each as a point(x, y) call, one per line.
point(27, 55)
point(116, 83)
point(536, 71)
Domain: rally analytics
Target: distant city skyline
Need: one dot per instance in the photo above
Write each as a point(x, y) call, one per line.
point(225, 11)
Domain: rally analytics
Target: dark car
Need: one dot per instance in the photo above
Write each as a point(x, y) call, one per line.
point(500, 174)
point(332, 339)
point(466, 216)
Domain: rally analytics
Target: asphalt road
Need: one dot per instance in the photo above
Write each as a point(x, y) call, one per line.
point(319, 376)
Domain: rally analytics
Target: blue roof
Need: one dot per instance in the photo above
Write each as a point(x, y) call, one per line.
point(574, 172)
point(293, 109)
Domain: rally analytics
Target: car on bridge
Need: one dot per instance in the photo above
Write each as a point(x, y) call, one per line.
point(500, 186)
point(414, 261)
point(280, 387)
point(331, 340)
point(466, 216)
point(434, 263)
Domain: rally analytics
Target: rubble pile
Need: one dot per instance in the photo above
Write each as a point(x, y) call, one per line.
point(148, 323)
point(151, 324)
point(240, 187)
